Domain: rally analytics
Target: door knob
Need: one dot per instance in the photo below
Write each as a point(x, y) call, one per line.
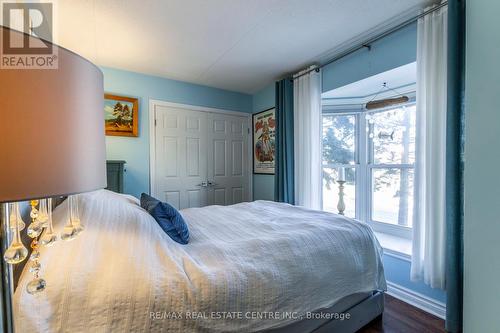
point(203, 184)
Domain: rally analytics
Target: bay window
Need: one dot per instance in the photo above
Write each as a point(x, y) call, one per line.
point(376, 148)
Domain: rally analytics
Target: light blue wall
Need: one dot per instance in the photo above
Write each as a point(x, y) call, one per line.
point(482, 158)
point(390, 52)
point(263, 185)
point(135, 151)
point(397, 271)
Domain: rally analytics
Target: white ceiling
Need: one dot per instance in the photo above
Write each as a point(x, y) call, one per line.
point(239, 45)
point(401, 78)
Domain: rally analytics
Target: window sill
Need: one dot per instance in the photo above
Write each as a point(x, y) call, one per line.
point(395, 246)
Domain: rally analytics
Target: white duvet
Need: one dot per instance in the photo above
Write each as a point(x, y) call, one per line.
point(124, 274)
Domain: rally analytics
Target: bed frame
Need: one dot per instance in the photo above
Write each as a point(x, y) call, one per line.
point(361, 312)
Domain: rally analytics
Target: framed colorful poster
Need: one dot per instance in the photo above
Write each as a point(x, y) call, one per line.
point(121, 115)
point(264, 142)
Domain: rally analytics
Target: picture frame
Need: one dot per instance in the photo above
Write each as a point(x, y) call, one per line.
point(264, 142)
point(121, 115)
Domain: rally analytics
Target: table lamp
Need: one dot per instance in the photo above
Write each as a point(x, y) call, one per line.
point(51, 142)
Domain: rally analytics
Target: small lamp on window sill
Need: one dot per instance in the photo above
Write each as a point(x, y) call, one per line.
point(52, 144)
point(341, 182)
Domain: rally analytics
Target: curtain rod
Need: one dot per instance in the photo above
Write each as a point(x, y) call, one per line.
point(366, 44)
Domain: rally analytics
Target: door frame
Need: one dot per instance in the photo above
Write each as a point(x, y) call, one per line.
point(152, 136)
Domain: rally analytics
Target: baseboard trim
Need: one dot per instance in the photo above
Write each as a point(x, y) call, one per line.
point(417, 299)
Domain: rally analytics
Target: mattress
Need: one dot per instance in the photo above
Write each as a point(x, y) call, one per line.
point(248, 267)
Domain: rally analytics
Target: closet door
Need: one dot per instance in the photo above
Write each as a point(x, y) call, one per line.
point(228, 165)
point(181, 155)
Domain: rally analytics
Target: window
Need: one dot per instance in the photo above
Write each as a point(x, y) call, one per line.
point(377, 151)
point(339, 150)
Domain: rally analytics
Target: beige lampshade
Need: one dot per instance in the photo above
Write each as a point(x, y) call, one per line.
point(51, 129)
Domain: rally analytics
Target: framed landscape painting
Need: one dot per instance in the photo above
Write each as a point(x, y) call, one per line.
point(121, 115)
point(264, 142)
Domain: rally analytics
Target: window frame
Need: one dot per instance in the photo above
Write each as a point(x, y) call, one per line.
point(357, 154)
point(364, 165)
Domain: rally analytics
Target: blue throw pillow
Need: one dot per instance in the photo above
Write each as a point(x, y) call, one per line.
point(169, 218)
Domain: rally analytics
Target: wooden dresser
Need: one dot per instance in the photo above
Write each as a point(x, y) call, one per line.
point(115, 170)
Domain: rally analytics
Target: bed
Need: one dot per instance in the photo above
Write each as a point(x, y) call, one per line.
point(250, 267)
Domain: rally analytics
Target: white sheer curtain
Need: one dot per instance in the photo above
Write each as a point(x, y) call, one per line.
point(429, 229)
point(307, 139)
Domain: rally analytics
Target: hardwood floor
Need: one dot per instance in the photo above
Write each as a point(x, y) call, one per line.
point(401, 317)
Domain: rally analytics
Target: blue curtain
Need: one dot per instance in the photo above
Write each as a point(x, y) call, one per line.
point(455, 165)
point(284, 182)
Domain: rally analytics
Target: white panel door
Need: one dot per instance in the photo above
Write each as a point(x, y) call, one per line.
point(228, 165)
point(180, 157)
point(200, 157)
